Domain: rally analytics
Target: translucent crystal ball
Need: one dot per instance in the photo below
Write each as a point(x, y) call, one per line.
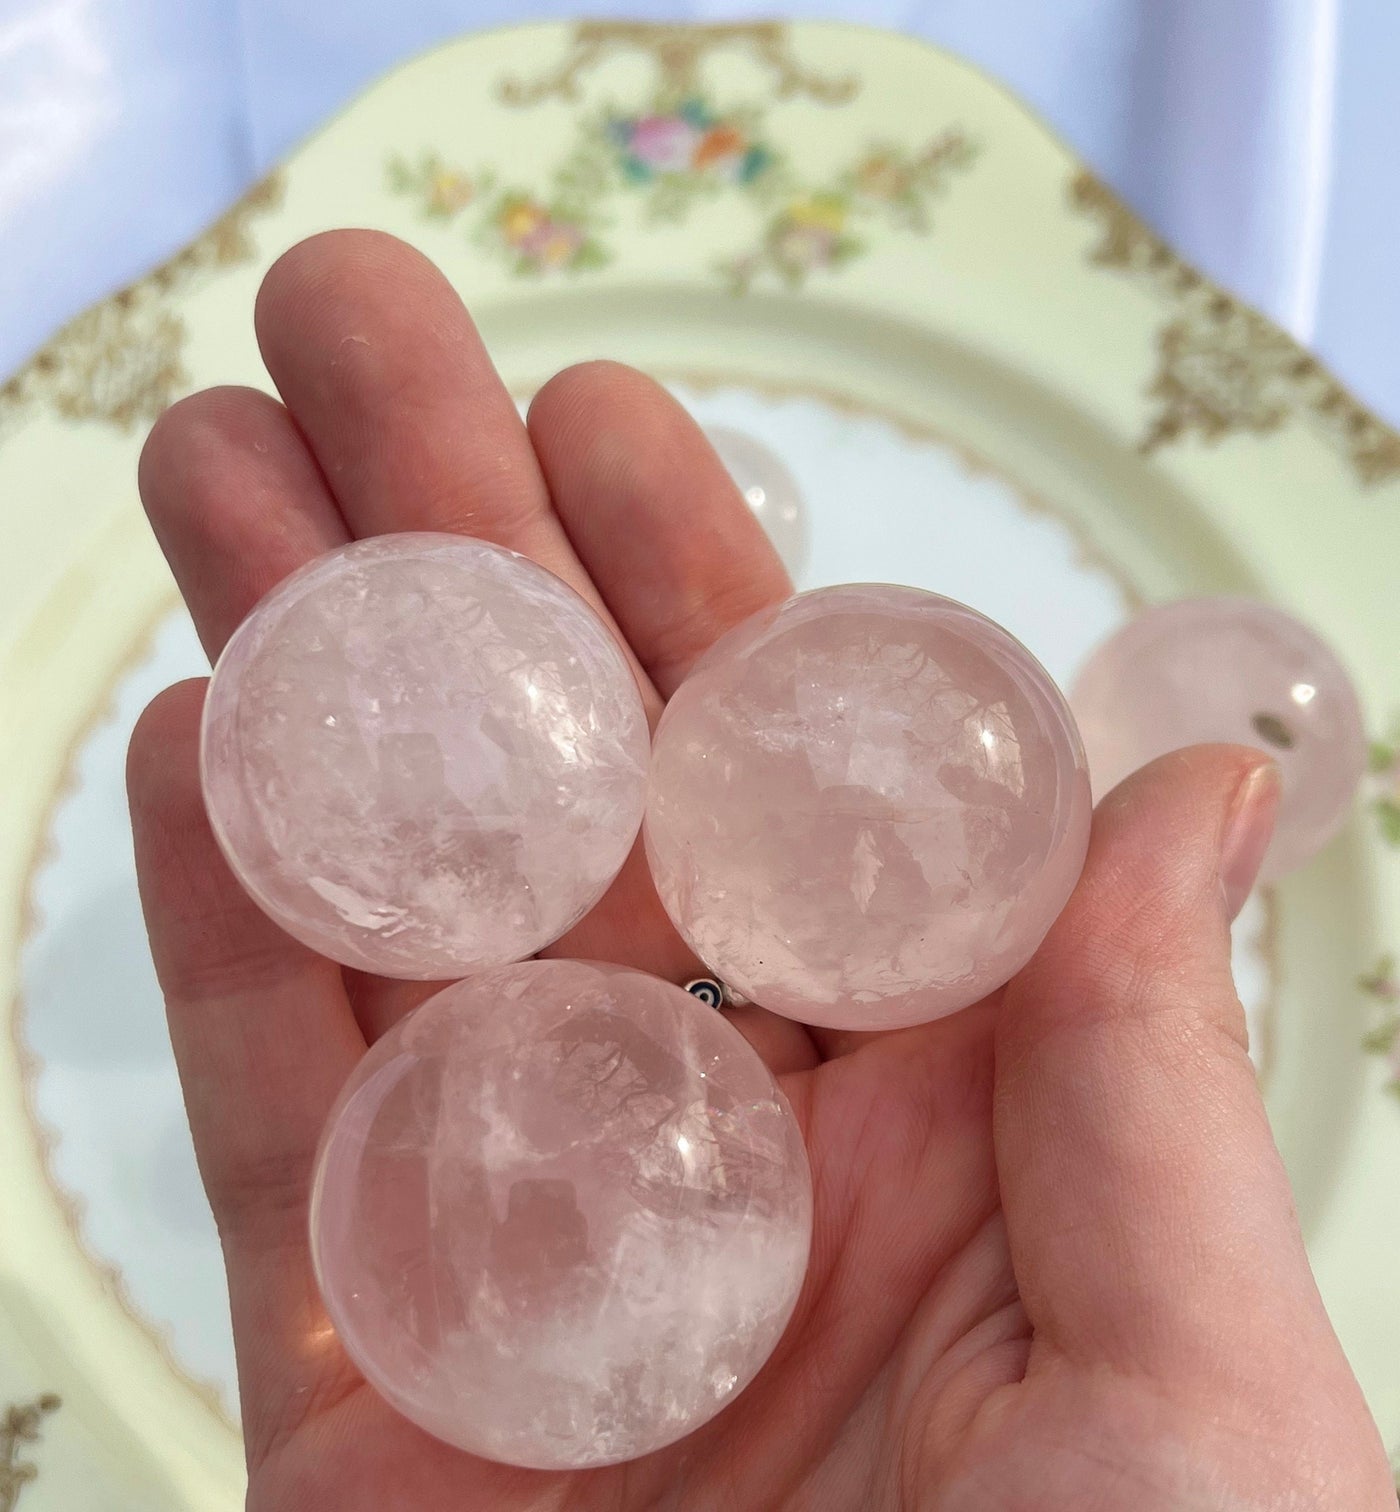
point(561, 1214)
point(423, 755)
point(1229, 669)
point(867, 807)
point(769, 489)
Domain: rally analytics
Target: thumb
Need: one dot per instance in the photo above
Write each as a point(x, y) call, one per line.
point(1151, 1223)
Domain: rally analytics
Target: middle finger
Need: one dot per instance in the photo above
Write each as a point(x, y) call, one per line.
point(383, 369)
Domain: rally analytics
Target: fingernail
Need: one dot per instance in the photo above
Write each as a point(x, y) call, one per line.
point(1248, 830)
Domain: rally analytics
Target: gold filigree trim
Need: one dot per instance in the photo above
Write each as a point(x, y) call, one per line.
point(121, 362)
point(678, 51)
point(22, 1425)
point(1222, 367)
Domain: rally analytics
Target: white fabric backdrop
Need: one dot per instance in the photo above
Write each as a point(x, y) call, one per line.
point(1260, 135)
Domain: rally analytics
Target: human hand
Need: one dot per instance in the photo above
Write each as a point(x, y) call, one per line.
point(1055, 1263)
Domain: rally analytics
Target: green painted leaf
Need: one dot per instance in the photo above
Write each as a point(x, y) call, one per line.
point(591, 254)
point(1381, 1041)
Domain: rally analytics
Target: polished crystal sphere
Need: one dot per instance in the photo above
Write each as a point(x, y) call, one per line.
point(1232, 670)
point(561, 1214)
point(423, 755)
point(770, 491)
point(867, 807)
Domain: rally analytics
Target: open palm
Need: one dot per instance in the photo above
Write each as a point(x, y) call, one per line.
point(1054, 1261)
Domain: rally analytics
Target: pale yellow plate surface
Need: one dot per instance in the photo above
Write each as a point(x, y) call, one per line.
point(979, 365)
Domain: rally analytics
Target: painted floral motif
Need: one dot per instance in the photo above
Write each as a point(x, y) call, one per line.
point(899, 183)
point(541, 237)
point(813, 229)
point(809, 233)
point(674, 155)
point(22, 1425)
point(442, 189)
point(691, 140)
point(536, 235)
point(679, 148)
point(1382, 985)
point(1222, 368)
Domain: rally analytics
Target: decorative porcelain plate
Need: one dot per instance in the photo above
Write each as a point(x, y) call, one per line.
point(988, 378)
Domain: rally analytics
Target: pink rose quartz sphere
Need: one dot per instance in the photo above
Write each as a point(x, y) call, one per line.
point(561, 1214)
point(867, 807)
point(1229, 670)
point(423, 755)
point(769, 489)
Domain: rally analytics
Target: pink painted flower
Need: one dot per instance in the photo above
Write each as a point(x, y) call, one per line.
point(553, 244)
point(521, 219)
point(664, 143)
point(799, 246)
point(882, 177)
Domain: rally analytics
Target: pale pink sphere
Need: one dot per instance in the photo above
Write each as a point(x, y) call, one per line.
point(561, 1214)
point(769, 489)
point(423, 755)
point(867, 807)
point(1229, 670)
